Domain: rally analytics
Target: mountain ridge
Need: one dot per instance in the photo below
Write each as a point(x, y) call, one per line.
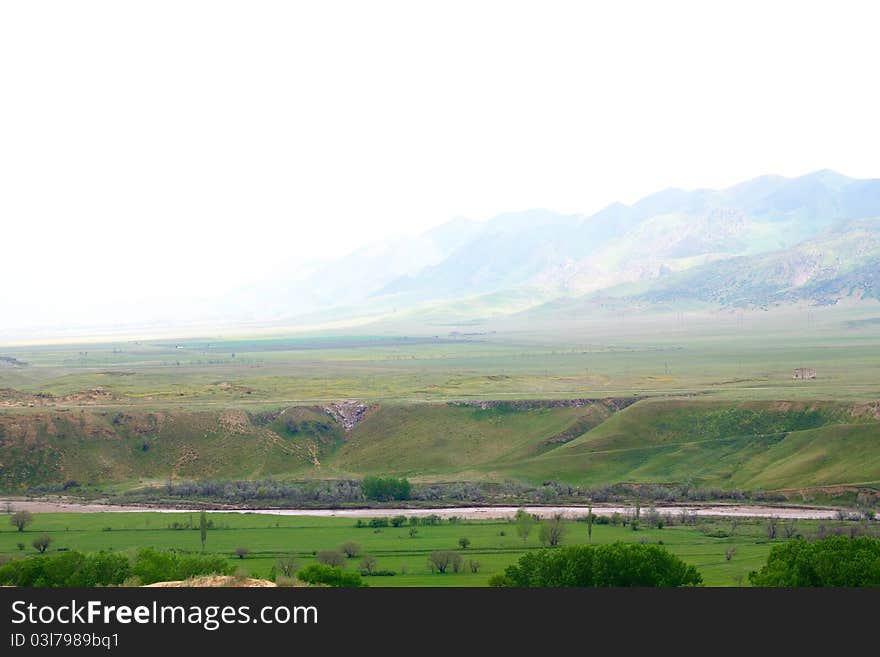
point(546, 255)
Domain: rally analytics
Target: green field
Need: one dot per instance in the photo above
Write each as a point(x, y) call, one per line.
point(594, 351)
point(494, 544)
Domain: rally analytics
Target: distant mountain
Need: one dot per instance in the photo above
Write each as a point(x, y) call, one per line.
point(842, 262)
point(767, 240)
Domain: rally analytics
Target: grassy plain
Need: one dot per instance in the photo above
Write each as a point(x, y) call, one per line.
point(588, 352)
point(494, 544)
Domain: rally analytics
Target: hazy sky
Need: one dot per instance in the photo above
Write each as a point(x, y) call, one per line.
point(166, 149)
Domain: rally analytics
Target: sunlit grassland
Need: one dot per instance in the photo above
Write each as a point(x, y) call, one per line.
point(730, 354)
point(494, 544)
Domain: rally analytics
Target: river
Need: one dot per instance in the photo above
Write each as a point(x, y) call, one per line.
point(470, 512)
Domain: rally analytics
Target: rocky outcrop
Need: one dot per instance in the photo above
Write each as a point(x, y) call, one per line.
point(348, 412)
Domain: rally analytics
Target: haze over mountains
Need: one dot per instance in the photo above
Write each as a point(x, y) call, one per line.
point(765, 241)
point(769, 241)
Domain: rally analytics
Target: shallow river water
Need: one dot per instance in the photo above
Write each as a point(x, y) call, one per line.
point(474, 512)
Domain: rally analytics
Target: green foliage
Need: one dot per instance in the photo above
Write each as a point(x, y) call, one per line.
point(385, 489)
point(614, 564)
point(154, 566)
point(21, 519)
point(70, 569)
point(318, 573)
point(833, 561)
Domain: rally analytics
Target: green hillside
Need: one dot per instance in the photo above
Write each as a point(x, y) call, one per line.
point(728, 445)
point(446, 438)
point(750, 445)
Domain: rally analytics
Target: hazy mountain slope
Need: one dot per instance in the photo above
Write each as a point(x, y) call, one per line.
point(670, 231)
point(842, 262)
point(541, 256)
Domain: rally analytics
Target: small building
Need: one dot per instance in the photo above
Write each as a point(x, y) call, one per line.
point(804, 373)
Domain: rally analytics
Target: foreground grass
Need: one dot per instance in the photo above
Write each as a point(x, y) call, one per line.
point(494, 544)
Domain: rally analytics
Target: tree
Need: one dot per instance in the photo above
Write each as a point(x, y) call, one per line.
point(350, 549)
point(242, 552)
point(42, 543)
point(771, 528)
point(836, 561)
point(317, 573)
point(398, 521)
point(384, 489)
point(552, 531)
point(203, 528)
point(368, 563)
point(524, 523)
point(463, 542)
point(440, 560)
point(332, 558)
point(473, 565)
point(590, 523)
point(287, 565)
point(615, 564)
point(21, 519)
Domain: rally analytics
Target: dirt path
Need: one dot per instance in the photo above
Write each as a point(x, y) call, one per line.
point(475, 512)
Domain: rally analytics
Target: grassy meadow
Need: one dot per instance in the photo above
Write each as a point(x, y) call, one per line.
point(587, 352)
point(494, 544)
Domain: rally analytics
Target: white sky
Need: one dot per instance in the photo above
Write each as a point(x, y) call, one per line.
point(166, 149)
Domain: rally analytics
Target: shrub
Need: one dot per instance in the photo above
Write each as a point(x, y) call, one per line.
point(552, 531)
point(155, 566)
point(332, 558)
point(398, 521)
point(284, 581)
point(350, 549)
point(833, 561)
point(285, 566)
point(42, 543)
point(441, 560)
point(318, 573)
point(499, 579)
point(615, 564)
point(383, 489)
